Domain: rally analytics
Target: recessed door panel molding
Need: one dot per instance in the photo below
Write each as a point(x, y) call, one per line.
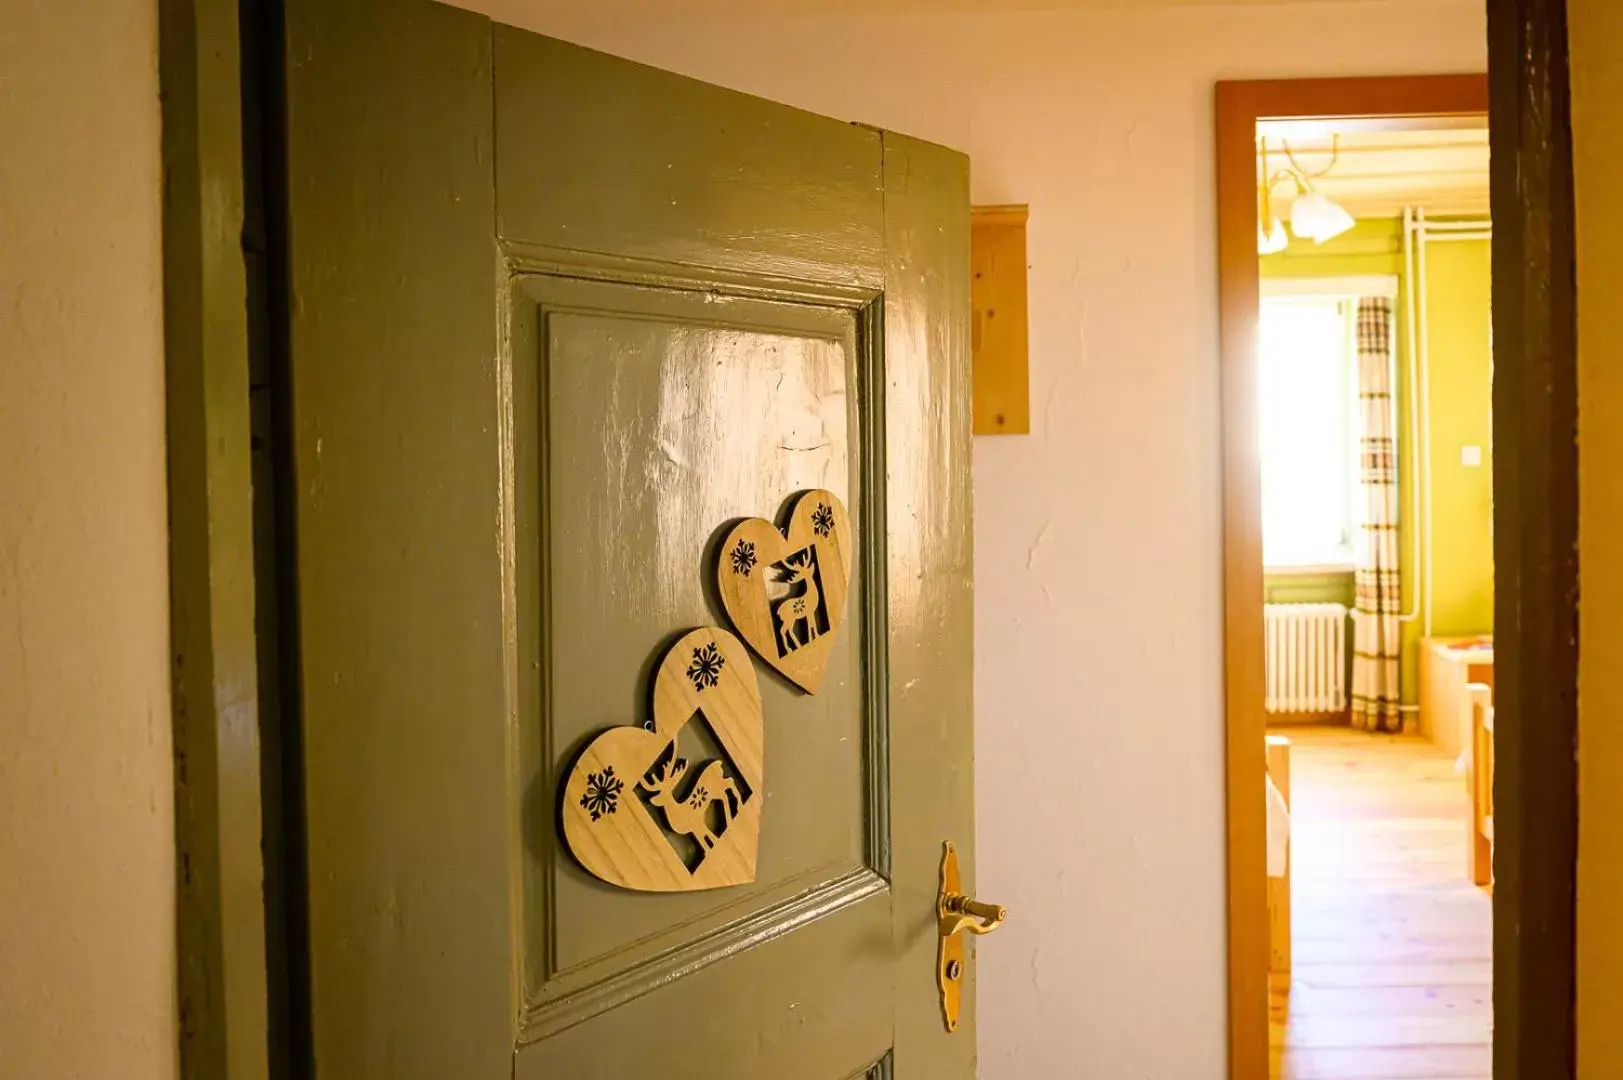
point(648, 417)
point(811, 1001)
point(755, 921)
point(883, 1069)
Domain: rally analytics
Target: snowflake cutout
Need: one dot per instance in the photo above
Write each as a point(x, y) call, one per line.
point(705, 671)
point(743, 557)
point(602, 793)
point(823, 520)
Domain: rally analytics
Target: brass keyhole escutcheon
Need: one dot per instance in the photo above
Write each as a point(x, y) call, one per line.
point(956, 915)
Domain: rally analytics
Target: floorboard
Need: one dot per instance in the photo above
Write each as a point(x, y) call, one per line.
point(1393, 975)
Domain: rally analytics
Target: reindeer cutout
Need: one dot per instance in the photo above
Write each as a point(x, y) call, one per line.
point(785, 587)
point(690, 814)
point(636, 816)
point(798, 608)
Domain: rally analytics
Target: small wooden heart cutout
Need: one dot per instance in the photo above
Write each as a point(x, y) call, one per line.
point(638, 815)
point(785, 591)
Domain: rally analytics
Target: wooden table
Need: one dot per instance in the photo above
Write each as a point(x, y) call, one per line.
point(1448, 667)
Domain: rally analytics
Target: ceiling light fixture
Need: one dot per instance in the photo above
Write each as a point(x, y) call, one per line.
point(1313, 215)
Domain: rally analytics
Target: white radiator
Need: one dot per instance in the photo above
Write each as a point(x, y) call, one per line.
point(1306, 658)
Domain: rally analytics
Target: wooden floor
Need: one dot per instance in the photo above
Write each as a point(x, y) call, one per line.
point(1393, 945)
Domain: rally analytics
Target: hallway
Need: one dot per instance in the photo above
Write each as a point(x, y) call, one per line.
point(1392, 943)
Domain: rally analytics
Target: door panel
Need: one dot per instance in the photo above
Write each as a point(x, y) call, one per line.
point(698, 174)
point(929, 572)
point(559, 321)
point(804, 1004)
point(392, 345)
point(635, 394)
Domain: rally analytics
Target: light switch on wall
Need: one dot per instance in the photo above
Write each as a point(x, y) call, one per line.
point(1471, 457)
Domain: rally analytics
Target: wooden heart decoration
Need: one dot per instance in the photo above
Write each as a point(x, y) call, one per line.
point(637, 815)
point(785, 591)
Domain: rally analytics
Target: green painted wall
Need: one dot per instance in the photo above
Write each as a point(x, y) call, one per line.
point(1457, 315)
point(1461, 409)
point(1308, 589)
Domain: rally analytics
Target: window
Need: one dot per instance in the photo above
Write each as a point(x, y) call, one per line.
point(1309, 436)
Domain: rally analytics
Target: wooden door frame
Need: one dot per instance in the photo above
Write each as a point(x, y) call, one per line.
point(238, 826)
point(1535, 487)
point(215, 673)
point(1536, 496)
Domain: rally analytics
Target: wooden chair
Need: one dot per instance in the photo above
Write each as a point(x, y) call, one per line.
point(1279, 888)
point(1479, 778)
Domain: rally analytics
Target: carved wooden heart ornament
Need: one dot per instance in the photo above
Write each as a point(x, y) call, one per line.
point(638, 814)
point(785, 591)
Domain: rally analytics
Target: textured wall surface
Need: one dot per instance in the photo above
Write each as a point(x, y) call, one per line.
point(86, 797)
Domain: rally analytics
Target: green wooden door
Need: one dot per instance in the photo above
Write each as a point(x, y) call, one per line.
point(557, 320)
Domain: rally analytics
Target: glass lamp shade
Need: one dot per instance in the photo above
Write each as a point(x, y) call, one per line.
point(1316, 218)
point(1271, 238)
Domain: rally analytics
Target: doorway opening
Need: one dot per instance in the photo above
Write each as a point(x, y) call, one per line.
point(1374, 376)
point(1358, 260)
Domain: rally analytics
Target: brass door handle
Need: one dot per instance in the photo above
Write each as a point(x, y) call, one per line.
point(956, 913)
point(959, 912)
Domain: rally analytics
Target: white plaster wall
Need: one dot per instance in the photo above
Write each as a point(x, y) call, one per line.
point(87, 983)
point(1097, 559)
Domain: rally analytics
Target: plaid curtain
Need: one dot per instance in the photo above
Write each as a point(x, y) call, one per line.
point(1376, 645)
